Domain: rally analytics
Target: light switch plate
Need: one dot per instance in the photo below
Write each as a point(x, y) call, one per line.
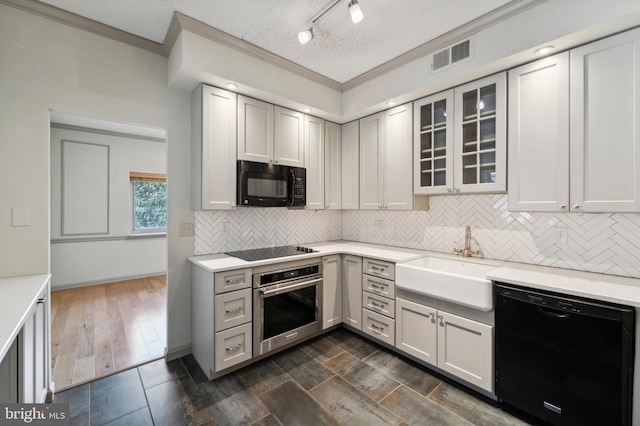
point(186, 229)
point(20, 216)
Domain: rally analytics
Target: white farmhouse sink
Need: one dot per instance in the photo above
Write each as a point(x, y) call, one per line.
point(456, 281)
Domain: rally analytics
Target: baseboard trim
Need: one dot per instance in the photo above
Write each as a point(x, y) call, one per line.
point(105, 281)
point(178, 352)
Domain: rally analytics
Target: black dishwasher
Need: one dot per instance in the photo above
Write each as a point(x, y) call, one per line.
point(563, 359)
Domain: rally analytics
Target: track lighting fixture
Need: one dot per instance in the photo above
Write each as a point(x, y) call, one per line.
point(305, 36)
point(355, 12)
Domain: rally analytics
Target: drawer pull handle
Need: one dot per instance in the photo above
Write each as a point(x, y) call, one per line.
point(375, 305)
point(234, 310)
point(377, 287)
point(377, 268)
point(433, 317)
point(235, 281)
point(441, 320)
point(236, 347)
point(376, 328)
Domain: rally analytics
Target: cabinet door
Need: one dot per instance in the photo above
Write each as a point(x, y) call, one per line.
point(255, 130)
point(352, 291)
point(332, 171)
point(480, 131)
point(605, 125)
point(398, 161)
point(465, 349)
point(416, 330)
point(331, 291)
point(289, 137)
point(9, 375)
point(351, 166)
point(539, 135)
point(314, 161)
point(214, 149)
point(433, 144)
point(371, 167)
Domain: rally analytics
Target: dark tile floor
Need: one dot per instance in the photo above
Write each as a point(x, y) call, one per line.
point(338, 378)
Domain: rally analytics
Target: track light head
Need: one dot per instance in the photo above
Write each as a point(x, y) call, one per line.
point(305, 36)
point(355, 11)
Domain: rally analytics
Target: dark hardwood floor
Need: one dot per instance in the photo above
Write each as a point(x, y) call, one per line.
point(338, 378)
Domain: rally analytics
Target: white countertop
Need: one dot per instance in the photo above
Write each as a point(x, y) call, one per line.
point(608, 288)
point(223, 262)
point(603, 287)
point(18, 296)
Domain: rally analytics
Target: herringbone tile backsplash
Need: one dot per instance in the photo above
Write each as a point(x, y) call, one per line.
point(607, 243)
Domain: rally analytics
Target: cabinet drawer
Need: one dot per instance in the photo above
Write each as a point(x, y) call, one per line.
point(379, 304)
point(379, 326)
point(233, 346)
point(379, 268)
point(232, 280)
point(232, 309)
point(379, 286)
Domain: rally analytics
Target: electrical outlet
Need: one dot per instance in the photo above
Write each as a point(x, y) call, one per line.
point(186, 229)
point(225, 228)
point(561, 235)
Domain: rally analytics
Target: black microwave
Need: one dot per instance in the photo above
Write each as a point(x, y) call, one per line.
point(271, 185)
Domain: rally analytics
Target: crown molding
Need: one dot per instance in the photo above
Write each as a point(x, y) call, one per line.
point(432, 46)
point(192, 25)
point(182, 22)
point(71, 19)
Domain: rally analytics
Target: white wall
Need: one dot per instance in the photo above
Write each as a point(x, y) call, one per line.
point(48, 66)
point(97, 258)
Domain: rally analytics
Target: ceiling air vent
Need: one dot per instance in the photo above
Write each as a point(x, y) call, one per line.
point(452, 54)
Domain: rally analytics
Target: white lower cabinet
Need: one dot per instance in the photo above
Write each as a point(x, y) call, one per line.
point(352, 291)
point(378, 300)
point(9, 376)
point(331, 291)
point(221, 313)
point(457, 345)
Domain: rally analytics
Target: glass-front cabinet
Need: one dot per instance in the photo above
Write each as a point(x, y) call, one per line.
point(480, 136)
point(460, 139)
point(433, 146)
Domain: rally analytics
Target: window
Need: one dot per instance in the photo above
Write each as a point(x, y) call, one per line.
point(149, 202)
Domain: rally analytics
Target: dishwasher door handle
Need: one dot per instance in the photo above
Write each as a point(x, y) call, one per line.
point(553, 313)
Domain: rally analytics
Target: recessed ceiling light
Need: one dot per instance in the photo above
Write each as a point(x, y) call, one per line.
point(544, 51)
point(231, 86)
point(391, 103)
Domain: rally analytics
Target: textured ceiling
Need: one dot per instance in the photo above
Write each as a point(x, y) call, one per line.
point(340, 50)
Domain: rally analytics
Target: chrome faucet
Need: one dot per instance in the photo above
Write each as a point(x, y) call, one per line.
point(466, 251)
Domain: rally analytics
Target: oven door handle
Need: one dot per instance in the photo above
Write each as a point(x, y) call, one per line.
point(290, 287)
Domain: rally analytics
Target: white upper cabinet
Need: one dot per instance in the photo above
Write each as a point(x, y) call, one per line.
point(314, 159)
point(480, 130)
point(350, 167)
point(386, 151)
point(255, 130)
point(289, 137)
point(433, 144)
point(605, 125)
point(269, 134)
point(332, 165)
point(398, 158)
point(371, 166)
point(573, 130)
point(539, 135)
point(213, 149)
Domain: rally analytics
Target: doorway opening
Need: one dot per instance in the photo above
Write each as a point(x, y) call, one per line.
point(108, 247)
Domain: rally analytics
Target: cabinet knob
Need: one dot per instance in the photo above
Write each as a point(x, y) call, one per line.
point(562, 206)
point(576, 206)
point(449, 190)
point(457, 189)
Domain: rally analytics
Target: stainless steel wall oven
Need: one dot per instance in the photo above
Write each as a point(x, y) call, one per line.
point(287, 305)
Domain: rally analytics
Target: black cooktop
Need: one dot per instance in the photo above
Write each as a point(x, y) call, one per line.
point(270, 252)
